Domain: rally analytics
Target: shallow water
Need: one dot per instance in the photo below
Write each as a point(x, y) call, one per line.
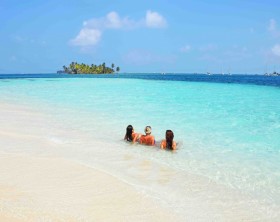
point(228, 133)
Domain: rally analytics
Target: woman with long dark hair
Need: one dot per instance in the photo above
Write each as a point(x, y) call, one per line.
point(130, 135)
point(168, 143)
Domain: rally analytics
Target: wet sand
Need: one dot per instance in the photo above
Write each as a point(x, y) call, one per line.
point(38, 183)
point(38, 187)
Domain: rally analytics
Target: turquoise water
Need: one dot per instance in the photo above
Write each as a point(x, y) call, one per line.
point(229, 133)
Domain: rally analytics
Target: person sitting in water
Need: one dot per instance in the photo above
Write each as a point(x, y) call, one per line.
point(168, 143)
point(147, 139)
point(130, 135)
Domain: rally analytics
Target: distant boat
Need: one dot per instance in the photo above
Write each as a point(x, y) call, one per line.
point(272, 74)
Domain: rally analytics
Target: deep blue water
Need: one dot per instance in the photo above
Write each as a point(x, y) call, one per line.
point(237, 79)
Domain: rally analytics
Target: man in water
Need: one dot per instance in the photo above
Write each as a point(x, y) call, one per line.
point(147, 139)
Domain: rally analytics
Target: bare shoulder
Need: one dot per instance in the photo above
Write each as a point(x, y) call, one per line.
point(163, 144)
point(174, 145)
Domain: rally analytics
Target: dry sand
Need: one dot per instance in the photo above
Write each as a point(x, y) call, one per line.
point(44, 189)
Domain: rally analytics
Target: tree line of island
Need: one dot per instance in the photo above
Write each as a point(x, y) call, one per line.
point(77, 68)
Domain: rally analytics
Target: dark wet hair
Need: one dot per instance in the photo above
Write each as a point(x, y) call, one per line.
point(169, 139)
point(128, 135)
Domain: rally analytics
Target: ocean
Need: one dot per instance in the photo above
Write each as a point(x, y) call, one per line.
point(227, 128)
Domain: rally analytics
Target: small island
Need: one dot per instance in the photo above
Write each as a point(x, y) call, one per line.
point(76, 68)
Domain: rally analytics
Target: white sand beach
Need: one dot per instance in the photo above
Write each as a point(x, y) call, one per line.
point(34, 188)
point(39, 183)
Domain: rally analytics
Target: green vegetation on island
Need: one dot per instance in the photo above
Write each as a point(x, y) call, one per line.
point(76, 68)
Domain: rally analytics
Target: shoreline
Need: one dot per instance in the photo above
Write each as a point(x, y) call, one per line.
point(59, 177)
point(46, 186)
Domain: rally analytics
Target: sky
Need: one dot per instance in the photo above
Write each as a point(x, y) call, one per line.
point(172, 36)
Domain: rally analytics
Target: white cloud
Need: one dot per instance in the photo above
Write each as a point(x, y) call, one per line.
point(144, 57)
point(209, 47)
point(18, 39)
point(276, 50)
point(185, 48)
point(155, 20)
point(92, 30)
point(87, 37)
point(272, 25)
point(272, 28)
point(111, 21)
point(236, 53)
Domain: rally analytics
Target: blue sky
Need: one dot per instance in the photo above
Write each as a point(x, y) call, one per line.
point(237, 36)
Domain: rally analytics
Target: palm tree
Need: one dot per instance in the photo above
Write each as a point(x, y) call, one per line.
point(78, 68)
point(65, 69)
point(71, 66)
point(103, 67)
